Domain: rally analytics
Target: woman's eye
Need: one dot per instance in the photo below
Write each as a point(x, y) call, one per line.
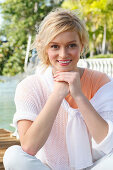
point(54, 46)
point(72, 45)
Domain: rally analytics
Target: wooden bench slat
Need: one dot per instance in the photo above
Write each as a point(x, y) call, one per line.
point(6, 140)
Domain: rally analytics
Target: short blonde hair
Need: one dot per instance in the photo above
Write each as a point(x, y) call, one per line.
point(54, 23)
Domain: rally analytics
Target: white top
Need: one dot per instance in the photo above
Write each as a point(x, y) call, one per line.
point(65, 148)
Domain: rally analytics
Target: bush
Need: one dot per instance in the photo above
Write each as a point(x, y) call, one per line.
point(15, 64)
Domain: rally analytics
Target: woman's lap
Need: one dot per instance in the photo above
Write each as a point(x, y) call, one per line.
point(15, 159)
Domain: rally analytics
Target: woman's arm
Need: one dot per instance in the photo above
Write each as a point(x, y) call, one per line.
point(33, 135)
point(97, 126)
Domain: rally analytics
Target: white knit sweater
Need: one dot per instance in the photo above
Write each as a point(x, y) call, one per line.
point(65, 148)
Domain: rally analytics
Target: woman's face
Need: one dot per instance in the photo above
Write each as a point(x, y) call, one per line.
point(64, 51)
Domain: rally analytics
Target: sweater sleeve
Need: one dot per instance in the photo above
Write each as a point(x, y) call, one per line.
point(106, 145)
point(27, 100)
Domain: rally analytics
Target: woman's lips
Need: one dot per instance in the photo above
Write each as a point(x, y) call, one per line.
point(64, 62)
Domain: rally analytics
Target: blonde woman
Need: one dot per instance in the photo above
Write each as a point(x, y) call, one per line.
point(64, 114)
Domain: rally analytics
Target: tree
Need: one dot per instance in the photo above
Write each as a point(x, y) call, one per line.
point(99, 23)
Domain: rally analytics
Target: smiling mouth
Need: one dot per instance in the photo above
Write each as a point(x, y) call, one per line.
point(64, 61)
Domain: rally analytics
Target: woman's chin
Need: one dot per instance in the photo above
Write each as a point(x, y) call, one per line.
point(64, 69)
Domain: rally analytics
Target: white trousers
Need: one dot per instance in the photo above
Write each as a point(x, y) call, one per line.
point(16, 159)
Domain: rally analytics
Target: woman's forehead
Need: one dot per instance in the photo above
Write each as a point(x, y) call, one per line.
point(68, 36)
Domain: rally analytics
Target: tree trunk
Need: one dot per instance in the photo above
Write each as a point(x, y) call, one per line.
point(104, 40)
point(27, 52)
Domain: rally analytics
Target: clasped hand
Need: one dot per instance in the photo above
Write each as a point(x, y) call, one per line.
point(68, 82)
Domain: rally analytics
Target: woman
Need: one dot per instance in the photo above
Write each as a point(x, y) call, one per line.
point(63, 114)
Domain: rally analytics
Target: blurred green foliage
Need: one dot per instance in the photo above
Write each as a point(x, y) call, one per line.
point(98, 17)
point(103, 56)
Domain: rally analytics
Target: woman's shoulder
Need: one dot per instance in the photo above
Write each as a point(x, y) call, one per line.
point(93, 80)
point(99, 79)
point(95, 75)
point(36, 80)
point(30, 79)
point(30, 82)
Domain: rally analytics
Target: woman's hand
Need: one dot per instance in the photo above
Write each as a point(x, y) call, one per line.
point(73, 81)
point(61, 88)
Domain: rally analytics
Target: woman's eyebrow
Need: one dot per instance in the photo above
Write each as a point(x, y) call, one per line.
point(72, 41)
point(53, 42)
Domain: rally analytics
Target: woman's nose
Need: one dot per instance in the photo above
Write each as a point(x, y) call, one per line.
point(63, 53)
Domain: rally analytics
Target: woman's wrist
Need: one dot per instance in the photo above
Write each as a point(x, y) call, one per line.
point(79, 98)
point(57, 96)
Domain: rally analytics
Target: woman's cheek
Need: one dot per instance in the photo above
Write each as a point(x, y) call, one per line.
point(52, 55)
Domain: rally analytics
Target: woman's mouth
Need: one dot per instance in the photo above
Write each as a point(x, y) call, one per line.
point(64, 62)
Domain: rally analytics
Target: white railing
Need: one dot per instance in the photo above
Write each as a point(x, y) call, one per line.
point(104, 65)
